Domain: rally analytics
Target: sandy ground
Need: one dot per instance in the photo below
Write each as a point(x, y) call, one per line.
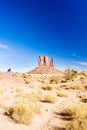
point(14, 85)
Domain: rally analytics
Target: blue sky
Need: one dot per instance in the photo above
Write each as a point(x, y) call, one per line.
point(29, 28)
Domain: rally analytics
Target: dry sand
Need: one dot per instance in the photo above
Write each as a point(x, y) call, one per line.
point(14, 85)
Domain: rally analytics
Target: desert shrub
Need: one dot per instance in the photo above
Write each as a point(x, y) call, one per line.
point(54, 80)
point(27, 81)
point(79, 113)
point(79, 124)
point(22, 113)
point(78, 87)
point(25, 75)
point(47, 87)
point(83, 73)
point(65, 86)
point(49, 98)
point(74, 87)
point(61, 94)
point(70, 74)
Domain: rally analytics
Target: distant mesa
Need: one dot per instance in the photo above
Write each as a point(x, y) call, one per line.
point(45, 66)
point(9, 70)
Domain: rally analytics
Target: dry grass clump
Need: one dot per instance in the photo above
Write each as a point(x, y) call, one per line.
point(70, 74)
point(50, 98)
point(78, 111)
point(47, 87)
point(24, 75)
point(61, 94)
point(64, 86)
point(79, 114)
point(74, 87)
point(27, 81)
point(22, 113)
point(54, 80)
point(77, 87)
point(79, 124)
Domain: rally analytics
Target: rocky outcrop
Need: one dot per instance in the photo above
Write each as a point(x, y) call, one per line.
point(9, 70)
point(45, 61)
point(45, 66)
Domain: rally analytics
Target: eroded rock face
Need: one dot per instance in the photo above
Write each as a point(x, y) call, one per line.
point(45, 61)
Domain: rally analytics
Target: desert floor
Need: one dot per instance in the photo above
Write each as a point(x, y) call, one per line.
point(51, 96)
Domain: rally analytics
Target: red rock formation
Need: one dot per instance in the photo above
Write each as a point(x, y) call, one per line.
point(45, 61)
point(45, 66)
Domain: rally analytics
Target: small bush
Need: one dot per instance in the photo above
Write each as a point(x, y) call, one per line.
point(61, 94)
point(22, 113)
point(54, 80)
point(79, 121)
point(70, 74)
point(79, 124)
point(78, 111)
point(27, 81)
point(47, 87)
point(24, 76)
point(64, 86)
point(49, 98)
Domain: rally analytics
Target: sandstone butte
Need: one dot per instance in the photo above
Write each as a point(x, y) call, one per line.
point(45, 66)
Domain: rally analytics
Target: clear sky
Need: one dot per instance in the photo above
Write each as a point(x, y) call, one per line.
point(29, 28)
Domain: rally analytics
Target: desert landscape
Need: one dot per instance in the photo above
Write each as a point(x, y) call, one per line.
point(44, 98)
point(43, 64)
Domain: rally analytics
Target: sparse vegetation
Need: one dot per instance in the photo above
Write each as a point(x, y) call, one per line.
point(43, 91)
point(79, 114)
point(61, 94)
point(25, 76)
point(27, 81)
point(83, 73)
point(77, 87)
point(22, 113)
point(70, 74)
point(78, 124)
point(54, 80)
point(73, 86)
point(50, 98)
point(47, 87)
